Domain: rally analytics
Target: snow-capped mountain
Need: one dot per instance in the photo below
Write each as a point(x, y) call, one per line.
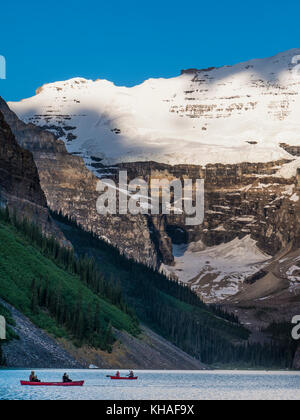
point(241, 123)
point(242, 113)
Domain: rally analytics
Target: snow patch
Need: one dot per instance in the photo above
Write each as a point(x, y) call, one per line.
point(217, 272)
point(295, 198)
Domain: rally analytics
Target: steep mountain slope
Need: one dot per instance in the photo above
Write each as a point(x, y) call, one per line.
point(34, 347)
point(19, 176)
point(172, 310)
point(20, 187)
point(273, 294)
point(66, 298)
point(41, 335)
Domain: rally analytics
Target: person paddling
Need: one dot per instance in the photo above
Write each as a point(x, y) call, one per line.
point(66, 379)
point(33, 377)
point(131, 374)
point(118, 374)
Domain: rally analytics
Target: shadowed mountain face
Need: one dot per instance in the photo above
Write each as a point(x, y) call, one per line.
point(20, 187)
point(19, 176)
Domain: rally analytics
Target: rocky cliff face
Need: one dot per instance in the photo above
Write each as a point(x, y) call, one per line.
point(20, 187)
point(242, 201)
point(19, 176)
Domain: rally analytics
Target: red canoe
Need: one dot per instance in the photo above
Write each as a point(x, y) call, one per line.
point(78, 383)
point(134, 378)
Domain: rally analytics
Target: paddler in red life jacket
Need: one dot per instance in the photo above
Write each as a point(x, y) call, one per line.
point(118, 374)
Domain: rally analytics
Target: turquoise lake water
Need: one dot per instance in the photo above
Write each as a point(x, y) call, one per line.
point(156, 385)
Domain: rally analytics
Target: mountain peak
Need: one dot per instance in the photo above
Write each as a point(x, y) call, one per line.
point(230, 114)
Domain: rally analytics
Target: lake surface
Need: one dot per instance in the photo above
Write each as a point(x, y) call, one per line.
point(156, 385)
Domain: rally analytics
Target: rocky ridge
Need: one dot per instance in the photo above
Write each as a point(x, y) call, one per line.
point(20, 187)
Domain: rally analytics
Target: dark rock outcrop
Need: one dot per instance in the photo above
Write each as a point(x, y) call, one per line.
point(18, 173)
point(292, 150)
point(195, 71)
point(20, 187)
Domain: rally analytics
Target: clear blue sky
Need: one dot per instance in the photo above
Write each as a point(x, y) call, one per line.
point(129, 41)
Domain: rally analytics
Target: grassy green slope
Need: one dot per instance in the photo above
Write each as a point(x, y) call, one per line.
point(20, 263)
point(32, 282)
